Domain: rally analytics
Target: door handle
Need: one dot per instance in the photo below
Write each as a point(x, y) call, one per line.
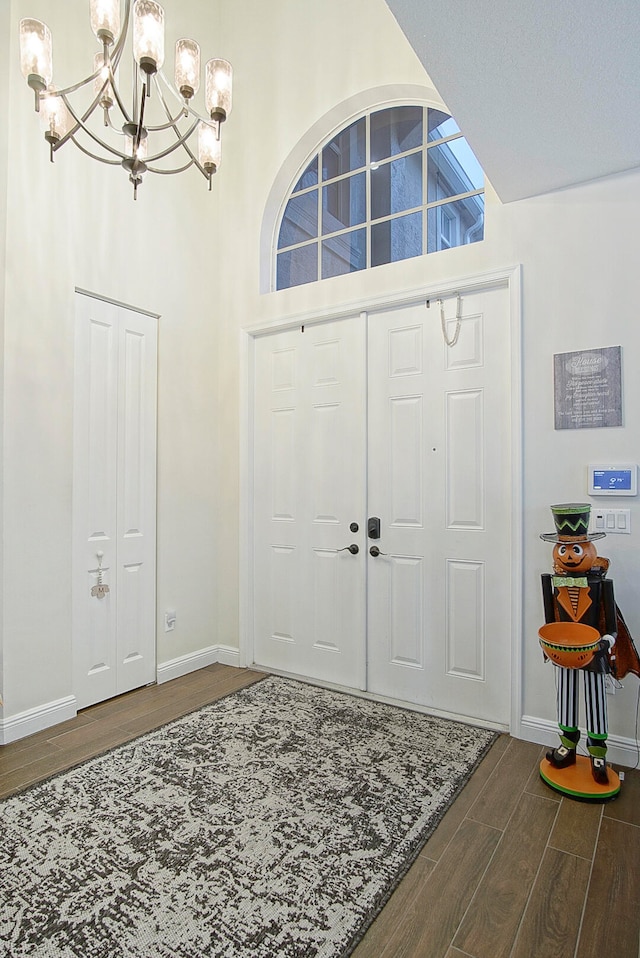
point(353, 549)
point(375, 552)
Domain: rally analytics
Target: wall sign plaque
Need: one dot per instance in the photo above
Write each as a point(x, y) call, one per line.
point(588, 388)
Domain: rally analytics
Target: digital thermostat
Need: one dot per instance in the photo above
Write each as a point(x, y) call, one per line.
point(607, 479)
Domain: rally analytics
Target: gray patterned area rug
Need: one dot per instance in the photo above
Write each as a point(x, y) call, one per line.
point(274, 823)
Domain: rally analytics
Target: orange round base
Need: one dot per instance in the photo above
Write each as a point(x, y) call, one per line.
point(578, 782)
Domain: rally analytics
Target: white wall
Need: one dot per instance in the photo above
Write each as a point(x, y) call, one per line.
point(194, 258)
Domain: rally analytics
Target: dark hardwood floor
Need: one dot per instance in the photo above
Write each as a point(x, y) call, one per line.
point(512, 871)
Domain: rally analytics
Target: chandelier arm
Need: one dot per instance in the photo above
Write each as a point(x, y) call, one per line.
point(119, 47)
point(140, 120)
point(187, 166)
point(80, 124)
point(94, 156)
point(186, 107)
point(116, 93)
point(182, 139)
point(45, 94)
point(110, 125)
point(172, 120)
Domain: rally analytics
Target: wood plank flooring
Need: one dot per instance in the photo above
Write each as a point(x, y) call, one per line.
point(512, 871)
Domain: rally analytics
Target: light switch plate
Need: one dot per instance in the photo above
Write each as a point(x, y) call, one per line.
point(614, 522)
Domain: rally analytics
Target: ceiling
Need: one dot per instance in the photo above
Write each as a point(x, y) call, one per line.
point(547, 92)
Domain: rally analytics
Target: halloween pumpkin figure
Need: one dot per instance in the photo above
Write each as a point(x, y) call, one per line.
point(583, 631)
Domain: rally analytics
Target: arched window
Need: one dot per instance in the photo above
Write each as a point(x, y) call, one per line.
point(397, 182)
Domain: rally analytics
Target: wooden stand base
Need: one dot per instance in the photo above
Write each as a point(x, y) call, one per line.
point(576, 781)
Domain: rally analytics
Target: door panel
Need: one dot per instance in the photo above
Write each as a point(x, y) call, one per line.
point(136, 501)
point(310, 434)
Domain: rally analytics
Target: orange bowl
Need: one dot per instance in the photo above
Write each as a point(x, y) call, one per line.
point(569, 644)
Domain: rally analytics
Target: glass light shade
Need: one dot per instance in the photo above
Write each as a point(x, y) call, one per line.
point(36, 52)
point(209, 147)
point(55, 118)
point(218, 90)
point(148, 34)
point(105, 19)
point(106, 98)
point(187, 75)
point(142, 147)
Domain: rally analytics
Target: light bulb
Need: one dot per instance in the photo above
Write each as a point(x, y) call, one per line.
point(148, 35)
point(187, 72)
point(209, 147)
point(218, 91)
point(105, 19)
point(36, 52)
point(106, 99)
point(141, 152)
point(55, 118)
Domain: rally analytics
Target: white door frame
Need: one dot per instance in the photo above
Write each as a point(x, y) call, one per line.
point(509, 277)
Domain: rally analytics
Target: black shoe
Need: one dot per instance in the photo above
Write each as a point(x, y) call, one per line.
point(599, 771)
point(562, 757)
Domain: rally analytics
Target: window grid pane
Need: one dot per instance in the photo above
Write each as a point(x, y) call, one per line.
point(452, 170)
point(344, 254)
point(396, 186)
point(297, 266)
point(300, 220)
point(396, 239)
point(343, 203)
point(345, 152)
point(395, 130)
point(309, 177)
point(458, 223)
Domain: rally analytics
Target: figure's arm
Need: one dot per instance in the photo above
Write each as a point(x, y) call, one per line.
point(547, 598)
point(610, 620)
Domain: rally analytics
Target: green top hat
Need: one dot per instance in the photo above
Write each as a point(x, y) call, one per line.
point(572, 523)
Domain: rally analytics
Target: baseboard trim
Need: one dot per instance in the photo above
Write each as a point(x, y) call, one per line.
point(37, 719)
point(192, 661)
point(620, 751)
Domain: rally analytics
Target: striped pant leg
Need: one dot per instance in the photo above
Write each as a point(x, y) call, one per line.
point(596, 704)
point(567, 698)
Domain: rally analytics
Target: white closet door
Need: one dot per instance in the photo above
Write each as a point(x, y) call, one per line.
point(440, 481)
point(114, 500)
point(309, 487)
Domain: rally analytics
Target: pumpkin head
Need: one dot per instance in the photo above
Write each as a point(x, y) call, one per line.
point(574, 558)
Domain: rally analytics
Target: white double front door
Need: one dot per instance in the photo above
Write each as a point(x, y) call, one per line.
point(375, 417)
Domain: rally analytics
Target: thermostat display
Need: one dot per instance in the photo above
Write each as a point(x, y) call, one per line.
point(620, 479)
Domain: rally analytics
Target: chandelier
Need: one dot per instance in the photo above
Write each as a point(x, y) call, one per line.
point(127, 137)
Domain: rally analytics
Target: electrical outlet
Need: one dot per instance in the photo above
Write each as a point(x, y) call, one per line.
point(170, 620)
